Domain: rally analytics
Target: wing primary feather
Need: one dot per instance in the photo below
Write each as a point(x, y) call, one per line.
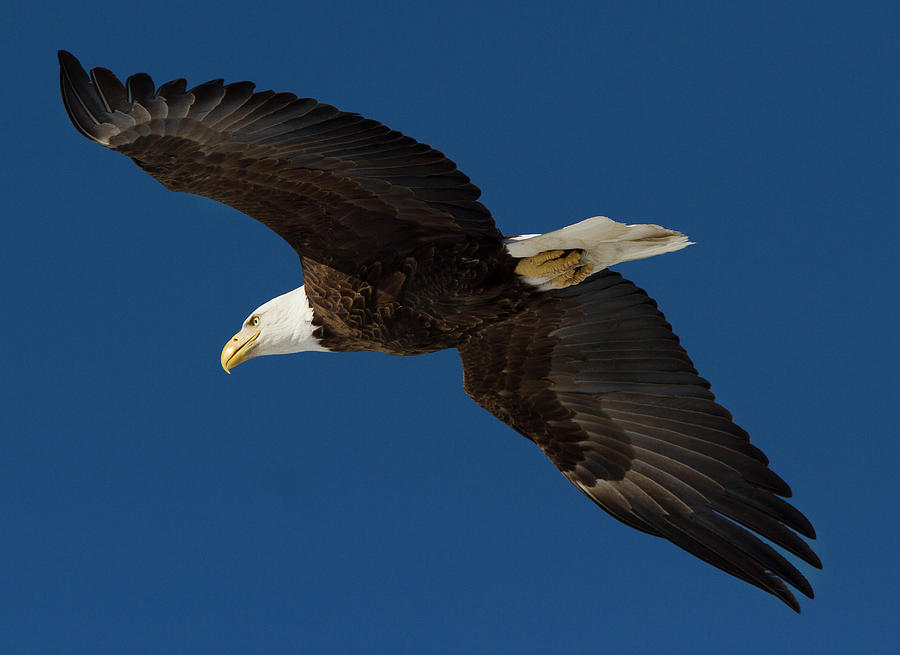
point(767, 557)
point(272, 103)
point(79, 97)
point(140, 88)
point(172, 88)
point(228, 123)
point(207, 97)
point(769, 528)
point(111, 91)
point(711, 548)
point(236, 94)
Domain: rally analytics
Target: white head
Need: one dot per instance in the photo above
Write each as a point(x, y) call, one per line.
point(281, 326)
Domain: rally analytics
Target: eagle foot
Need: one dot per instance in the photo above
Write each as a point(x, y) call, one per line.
point(549, 262)
point(570, 277)
point(559, 268)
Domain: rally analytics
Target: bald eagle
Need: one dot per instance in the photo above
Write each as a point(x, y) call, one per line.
point(398, 256)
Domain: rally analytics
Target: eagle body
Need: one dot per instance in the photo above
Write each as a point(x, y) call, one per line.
point(399, 256)
point(425, 300)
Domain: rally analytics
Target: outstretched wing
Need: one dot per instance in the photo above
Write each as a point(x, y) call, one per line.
point(340, 189)
point(595, 377)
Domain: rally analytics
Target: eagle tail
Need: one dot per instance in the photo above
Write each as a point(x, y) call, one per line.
point(601, 242)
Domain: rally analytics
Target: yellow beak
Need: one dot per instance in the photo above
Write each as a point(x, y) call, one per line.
point(238, 349)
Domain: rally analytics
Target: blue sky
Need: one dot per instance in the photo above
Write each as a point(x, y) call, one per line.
point(150, 503)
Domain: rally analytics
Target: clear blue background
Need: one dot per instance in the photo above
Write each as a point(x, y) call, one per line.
point(149, 503)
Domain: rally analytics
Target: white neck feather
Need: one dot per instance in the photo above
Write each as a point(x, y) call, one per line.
point(286, 325)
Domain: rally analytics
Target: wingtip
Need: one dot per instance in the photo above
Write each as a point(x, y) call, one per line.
point(68, 61)
point(815, 561)
point(83, 97)
point(783, 593)
point(71, 77)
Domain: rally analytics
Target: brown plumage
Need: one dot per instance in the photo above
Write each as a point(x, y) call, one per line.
point(399, 256)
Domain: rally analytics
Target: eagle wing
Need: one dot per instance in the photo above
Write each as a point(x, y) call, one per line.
point(341, 189)
point(596, 378)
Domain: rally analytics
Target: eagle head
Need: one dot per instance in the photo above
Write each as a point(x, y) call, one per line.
point(281, 326)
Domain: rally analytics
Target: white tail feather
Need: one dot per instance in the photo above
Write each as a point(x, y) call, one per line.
point(605, 242)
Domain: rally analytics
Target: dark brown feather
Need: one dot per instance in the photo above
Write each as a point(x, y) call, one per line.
point(341, 189)
point(595, 377)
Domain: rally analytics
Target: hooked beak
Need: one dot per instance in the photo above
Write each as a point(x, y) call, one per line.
point(239, 348)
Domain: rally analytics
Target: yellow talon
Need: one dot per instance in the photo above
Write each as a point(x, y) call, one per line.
point(549, 262)
point(570, 277)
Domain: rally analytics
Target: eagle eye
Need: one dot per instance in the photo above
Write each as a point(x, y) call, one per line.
point(254, 321)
